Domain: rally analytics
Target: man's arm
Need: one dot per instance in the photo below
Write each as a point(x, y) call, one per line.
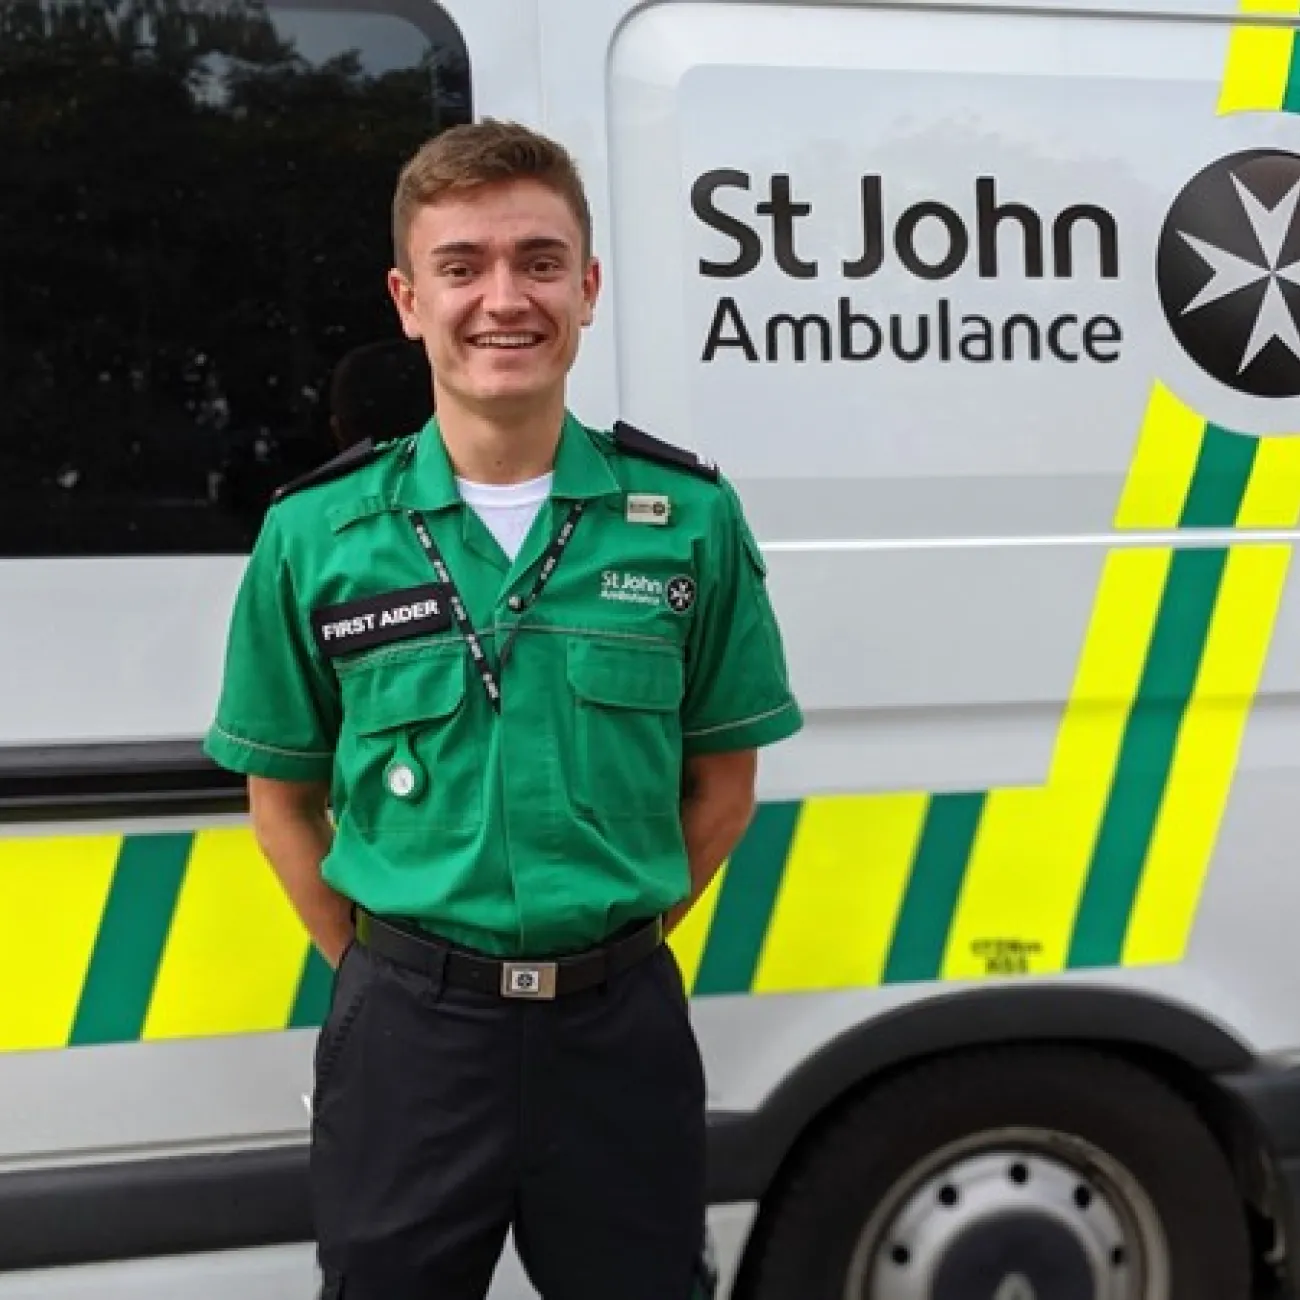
point(717, 804)
point(293, 829)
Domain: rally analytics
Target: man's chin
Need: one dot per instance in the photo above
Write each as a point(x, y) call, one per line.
point(512, 397)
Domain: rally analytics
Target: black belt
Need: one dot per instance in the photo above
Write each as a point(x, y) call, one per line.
point(533, 980)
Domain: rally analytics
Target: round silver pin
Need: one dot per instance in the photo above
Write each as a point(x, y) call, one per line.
point(516, 603)
point(401, 780)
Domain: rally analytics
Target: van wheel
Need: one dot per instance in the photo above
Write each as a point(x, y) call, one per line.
point(1053, 1174)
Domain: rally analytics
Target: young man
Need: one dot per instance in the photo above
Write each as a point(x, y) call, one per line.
point(527, 667)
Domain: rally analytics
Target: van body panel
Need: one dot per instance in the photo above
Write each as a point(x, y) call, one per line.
point(898, 269)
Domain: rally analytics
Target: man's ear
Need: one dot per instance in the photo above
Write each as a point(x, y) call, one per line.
point(402, 292)
point(590, 290)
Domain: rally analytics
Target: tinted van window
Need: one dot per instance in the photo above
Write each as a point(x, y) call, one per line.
point(194, 229)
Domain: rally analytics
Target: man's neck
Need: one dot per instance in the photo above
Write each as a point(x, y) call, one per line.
point(486, 448)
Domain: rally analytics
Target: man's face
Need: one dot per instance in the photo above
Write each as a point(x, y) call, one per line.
point(500, 292)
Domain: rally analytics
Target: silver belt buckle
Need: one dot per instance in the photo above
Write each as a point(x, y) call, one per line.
point(528, 979)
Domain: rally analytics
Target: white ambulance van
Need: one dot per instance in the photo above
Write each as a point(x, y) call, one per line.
point(992, 313)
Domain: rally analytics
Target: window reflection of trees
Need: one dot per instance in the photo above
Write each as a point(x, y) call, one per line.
point(194, 228)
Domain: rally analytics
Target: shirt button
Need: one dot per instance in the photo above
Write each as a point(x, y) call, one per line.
point(516, 603)
point(401, 780)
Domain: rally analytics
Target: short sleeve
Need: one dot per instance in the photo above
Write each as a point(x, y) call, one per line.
point(278, 714)
point(737, 691)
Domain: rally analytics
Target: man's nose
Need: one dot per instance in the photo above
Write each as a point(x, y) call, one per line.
point(505, 293)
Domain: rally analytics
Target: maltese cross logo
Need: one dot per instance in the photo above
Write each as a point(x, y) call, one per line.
point(681, 594)
point(1228, 272)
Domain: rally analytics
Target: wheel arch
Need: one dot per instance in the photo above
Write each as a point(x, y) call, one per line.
point(747, 1151)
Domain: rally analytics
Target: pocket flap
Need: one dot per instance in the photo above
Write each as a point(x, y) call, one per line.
point(626, 677)
point(398, 692)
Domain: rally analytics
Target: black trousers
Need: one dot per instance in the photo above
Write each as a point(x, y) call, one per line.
point(444, 1117)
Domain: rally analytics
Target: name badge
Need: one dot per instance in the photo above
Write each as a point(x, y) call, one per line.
point(647, 508)
point(378, 620)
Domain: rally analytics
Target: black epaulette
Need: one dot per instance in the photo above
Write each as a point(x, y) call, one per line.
point(360, 453)
point(634, 442)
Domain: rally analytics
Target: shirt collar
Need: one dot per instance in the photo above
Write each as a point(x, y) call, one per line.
point(427, 481)
point(582, 470)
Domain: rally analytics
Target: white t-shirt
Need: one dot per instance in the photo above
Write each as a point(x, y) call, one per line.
point(508, 509)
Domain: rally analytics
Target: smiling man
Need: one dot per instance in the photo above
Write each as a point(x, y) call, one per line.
point(498, 688)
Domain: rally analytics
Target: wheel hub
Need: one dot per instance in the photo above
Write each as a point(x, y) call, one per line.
point(1003, 1224)
point(1015, 1257)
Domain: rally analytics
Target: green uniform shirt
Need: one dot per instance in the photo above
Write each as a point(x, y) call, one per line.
point(546, 827)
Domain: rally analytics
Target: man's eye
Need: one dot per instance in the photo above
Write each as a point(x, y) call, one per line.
point(545, 266)
point(456, 271)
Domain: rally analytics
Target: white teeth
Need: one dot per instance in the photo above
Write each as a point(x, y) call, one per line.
point(506, 340)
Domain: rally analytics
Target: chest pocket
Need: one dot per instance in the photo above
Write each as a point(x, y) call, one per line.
point(628, 730)
point(408, 756)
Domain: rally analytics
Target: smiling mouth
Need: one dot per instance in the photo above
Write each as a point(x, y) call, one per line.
point(513, 342)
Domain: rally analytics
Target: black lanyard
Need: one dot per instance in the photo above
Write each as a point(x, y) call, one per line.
point(550, 562)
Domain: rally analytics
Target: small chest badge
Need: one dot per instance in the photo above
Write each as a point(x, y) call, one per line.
point(681, 594)
point(401, 780)
point(648, 508)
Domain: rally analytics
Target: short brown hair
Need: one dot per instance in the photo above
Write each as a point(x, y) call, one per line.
point(482, 153)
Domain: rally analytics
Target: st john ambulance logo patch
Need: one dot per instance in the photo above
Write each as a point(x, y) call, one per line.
point(681, 594)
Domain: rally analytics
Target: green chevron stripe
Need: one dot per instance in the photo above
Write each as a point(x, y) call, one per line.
point(314, 991)
point(1291, 99)
point(132, 934)
point(1164, 691)
point(930, 902)
point(745, 906)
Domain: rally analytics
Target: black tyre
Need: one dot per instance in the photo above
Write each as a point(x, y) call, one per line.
point(1024, 1174)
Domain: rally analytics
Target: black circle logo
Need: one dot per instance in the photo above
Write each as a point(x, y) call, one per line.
point(1228, 271)
point(681, 594)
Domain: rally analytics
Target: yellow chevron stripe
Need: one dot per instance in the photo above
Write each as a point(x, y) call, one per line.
point(841, 893)
point(1031, 853)
point(1259, 60)
point(1274, 488)
point(1163, 464)
point(235, 950)
point(1210, 738)
point(62, 885)
point(1030, 859)
point(1206, 757)
point(688, 939)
